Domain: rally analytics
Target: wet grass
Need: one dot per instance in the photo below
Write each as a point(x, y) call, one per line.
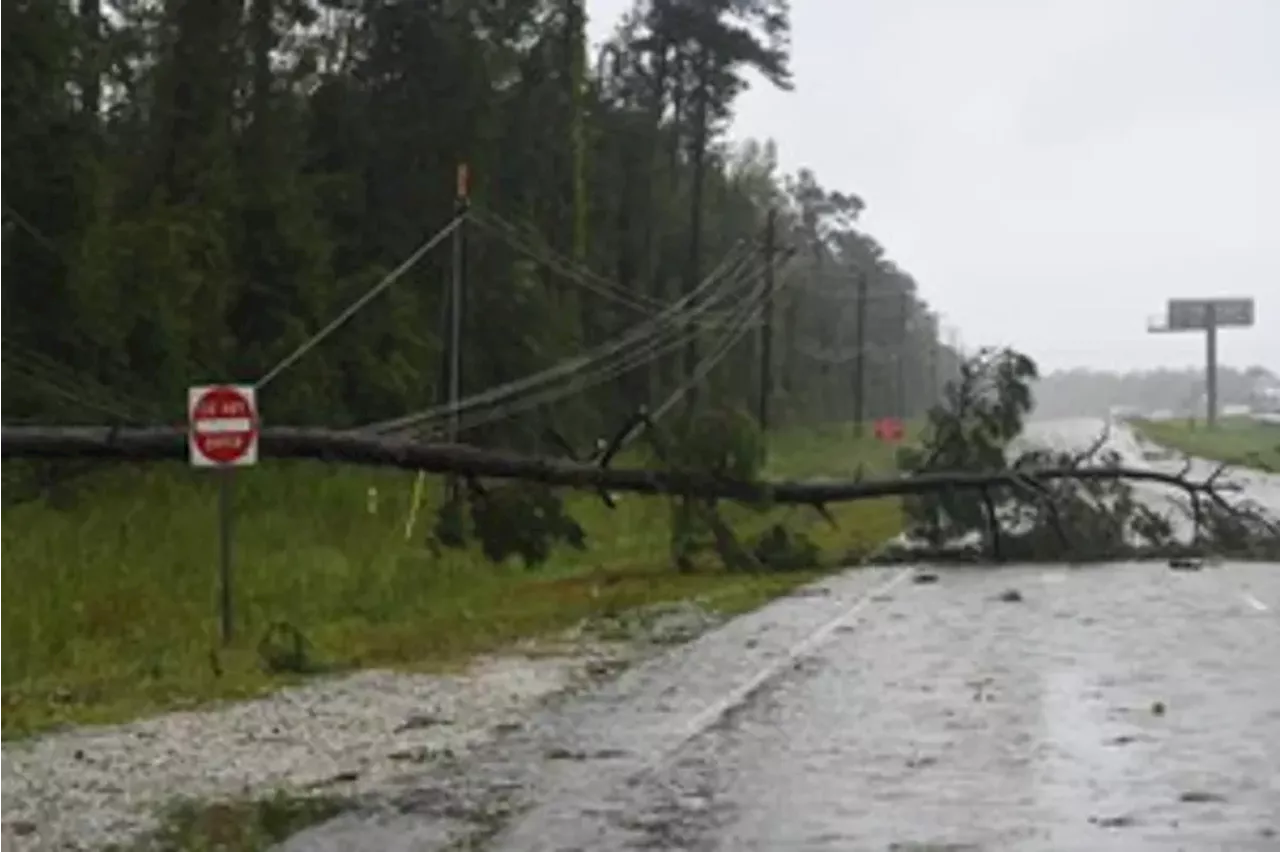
point(236, 826)
point(1237, 440)
point(109, 589)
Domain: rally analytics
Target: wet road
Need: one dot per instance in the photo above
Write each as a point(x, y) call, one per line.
point(1144, 717)
point(1115, 707)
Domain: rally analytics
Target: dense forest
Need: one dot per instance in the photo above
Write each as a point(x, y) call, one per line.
point(1092, 393)
point(193, 188)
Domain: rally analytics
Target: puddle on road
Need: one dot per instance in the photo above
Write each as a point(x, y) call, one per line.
point(1082, 771)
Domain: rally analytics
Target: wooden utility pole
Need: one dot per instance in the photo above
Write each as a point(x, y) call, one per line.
point(766, 328)
point(901, 365)
point(457, 296)
point(860, 365)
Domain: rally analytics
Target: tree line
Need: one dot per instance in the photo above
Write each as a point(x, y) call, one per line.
point(193, 187)
point(1081, 392)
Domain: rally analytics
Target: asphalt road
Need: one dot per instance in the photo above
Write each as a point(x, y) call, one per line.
point(1117, 707)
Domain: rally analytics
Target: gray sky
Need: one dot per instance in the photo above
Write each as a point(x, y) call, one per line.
point(1049, 170)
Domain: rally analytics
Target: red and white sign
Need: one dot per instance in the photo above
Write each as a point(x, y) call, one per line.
point(890, 430)
point(222, 425)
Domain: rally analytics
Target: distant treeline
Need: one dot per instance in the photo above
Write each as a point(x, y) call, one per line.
point(1083, 392)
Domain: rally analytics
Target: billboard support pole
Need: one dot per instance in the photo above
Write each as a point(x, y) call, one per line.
point(1207, 315)
point(1211, 368)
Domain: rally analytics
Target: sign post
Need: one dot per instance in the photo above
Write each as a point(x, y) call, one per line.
point(1207, 315)
point(222, 433)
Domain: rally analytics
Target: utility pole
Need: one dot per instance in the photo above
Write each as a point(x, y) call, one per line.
point(901, 365)
point(935, 367)
point(457, 293)
point(860, 364)
point(766, 328)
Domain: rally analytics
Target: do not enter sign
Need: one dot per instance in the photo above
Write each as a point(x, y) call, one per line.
point(222, 425)
point(889, 430)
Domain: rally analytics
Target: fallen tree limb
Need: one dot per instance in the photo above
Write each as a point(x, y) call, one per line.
point(284, 442)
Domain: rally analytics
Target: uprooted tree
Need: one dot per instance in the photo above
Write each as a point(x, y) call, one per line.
point(965, 493)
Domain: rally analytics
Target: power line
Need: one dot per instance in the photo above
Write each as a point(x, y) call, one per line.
point(571, 270)
point(599, 375)
point(45, 384)
point(390, 278)
point(636, 336)
point(574, 272)
point(85, 387)
point(751, 309)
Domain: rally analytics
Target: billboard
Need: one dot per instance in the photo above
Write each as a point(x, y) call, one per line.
point(1195, 314)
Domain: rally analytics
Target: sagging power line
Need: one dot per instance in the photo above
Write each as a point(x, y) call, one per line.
point(711, 292)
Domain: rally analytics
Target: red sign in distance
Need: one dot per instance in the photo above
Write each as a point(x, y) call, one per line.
point(890, 430)
point(223, 425)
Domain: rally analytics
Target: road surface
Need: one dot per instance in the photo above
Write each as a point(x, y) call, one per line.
point(1119, 707)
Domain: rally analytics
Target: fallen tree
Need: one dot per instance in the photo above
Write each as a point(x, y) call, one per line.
point(104, 443)
point(961, 483)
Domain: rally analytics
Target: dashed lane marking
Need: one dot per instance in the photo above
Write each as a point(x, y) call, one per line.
point(709, 715)
point(1252, 601)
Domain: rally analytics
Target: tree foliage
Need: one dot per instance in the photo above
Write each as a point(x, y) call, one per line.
point(973, 429)
point(193, 187)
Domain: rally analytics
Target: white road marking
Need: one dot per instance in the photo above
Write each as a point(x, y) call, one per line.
point(1254, 602)
point(709, 715)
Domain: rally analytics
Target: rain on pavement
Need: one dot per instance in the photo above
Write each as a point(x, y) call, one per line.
point(1112, 707)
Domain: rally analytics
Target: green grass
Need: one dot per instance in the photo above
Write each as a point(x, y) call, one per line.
point(1238, 440)
point(109, 607)
point(236, 826)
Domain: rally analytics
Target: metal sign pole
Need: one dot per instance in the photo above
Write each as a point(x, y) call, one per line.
point(225, 530)
point(1211, 367)
point(222, 433)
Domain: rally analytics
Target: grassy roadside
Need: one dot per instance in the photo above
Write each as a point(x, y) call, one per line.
point(1238, 440)
point(109, 591)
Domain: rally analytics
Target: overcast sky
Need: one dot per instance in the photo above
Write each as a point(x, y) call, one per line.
point(1049, 170)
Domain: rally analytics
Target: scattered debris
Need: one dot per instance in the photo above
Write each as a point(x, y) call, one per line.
point(666, 623)
point(422, 720)
point(345, 777)
point(1121, 821)
point(921, 762)
point(580, 755)
point(809, 592)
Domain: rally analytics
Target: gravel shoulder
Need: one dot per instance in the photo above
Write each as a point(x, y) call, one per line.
point(347, 736)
